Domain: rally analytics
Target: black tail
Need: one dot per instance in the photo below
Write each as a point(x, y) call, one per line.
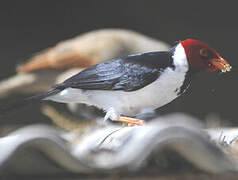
point(8, 108)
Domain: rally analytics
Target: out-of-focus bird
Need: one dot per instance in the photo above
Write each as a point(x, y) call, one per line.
point(136, 83)
point(59, 62)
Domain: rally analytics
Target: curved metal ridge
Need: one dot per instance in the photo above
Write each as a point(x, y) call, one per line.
point(119, 148)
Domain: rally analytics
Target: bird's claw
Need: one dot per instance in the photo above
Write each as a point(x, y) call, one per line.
point(131, 121)
point(111, 114)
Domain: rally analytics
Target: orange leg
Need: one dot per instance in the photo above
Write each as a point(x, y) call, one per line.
point(131, 121)
point(114, 116)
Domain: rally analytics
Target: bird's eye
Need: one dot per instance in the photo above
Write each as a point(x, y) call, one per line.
point(204, 53)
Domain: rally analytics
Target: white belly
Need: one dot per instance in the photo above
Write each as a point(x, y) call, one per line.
point(157, 94)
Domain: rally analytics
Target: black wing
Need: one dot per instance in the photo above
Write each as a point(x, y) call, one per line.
point(128, 74)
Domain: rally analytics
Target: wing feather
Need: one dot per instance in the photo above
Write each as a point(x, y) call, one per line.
point(128, 74)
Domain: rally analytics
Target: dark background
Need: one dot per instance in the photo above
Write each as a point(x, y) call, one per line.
point(27, 27)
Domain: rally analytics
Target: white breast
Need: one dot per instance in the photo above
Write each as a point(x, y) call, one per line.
point(160, 92)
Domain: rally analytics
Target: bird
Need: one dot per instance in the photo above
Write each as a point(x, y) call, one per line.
point(70, 56)
point(124, 87)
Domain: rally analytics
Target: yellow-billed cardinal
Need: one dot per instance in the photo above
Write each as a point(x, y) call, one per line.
point(129, 85)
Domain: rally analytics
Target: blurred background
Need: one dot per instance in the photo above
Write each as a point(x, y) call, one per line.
point(28, 27)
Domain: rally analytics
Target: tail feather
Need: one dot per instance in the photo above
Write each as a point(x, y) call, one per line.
point(8, 108)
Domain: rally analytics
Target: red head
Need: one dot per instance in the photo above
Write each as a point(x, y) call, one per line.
point(202, 56)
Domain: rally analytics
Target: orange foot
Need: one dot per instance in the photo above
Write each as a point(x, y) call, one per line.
point(131, 121)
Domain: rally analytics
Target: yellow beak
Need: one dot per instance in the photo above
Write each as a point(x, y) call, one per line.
point(221, 64)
